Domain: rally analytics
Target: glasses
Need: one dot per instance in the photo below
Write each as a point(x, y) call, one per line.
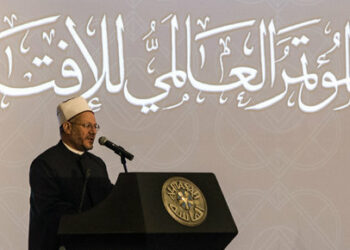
point(87, 125)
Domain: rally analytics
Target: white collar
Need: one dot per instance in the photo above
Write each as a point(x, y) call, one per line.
point(73, 150)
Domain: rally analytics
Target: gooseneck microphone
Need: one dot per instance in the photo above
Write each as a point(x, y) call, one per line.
point(117, 149)
point(87, 175)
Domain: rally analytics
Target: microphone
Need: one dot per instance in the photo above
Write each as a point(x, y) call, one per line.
point(117, 149)
point(87, 175)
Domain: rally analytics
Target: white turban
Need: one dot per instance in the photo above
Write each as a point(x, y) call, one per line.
point(70, 108)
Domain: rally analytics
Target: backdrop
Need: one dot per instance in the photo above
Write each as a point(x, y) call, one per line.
point(255, 91)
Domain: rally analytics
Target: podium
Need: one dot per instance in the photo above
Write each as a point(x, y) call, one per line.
point(134, 216)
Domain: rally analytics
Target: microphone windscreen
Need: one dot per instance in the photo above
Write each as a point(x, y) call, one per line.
point(102, 140)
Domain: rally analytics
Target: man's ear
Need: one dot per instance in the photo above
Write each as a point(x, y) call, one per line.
point(67, 128)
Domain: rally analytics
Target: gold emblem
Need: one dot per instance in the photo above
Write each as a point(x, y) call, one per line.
point(184, 201)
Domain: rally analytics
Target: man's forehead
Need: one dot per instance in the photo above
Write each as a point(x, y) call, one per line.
point(85, 116)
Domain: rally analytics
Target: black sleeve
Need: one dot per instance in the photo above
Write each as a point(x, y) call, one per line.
point(99, 183)
point(46, 197)
point(107, 185)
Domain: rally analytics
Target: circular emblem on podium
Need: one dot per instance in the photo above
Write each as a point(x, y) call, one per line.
point(184, 201)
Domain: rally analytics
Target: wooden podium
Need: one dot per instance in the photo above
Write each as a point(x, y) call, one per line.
point(133, 216)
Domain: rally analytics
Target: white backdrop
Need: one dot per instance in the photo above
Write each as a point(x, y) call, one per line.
point(255, 91)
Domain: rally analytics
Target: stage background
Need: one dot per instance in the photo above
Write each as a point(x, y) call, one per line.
point(259, 98)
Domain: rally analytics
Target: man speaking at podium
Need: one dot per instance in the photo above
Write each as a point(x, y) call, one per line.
point(66, 178)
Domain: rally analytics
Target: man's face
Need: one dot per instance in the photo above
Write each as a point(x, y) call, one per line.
point(80, 137)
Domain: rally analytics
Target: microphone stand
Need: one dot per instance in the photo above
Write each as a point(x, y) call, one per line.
point(122, 159)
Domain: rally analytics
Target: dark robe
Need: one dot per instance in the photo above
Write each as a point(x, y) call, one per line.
point(57, 179)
